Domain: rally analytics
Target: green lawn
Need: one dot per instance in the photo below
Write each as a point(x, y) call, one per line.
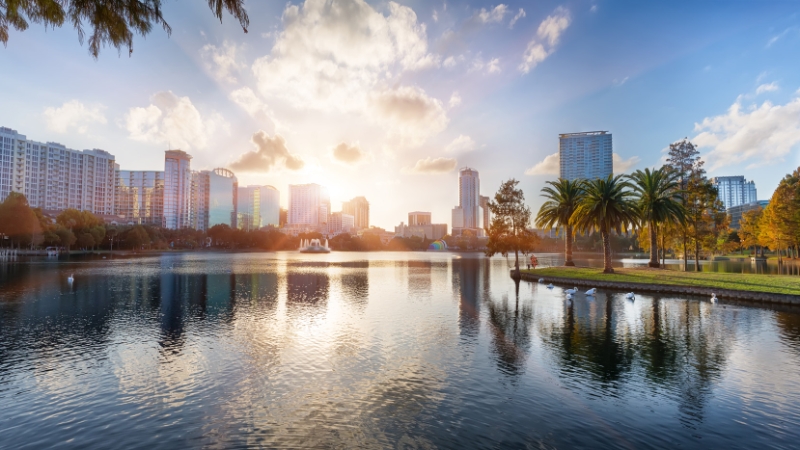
point(775, 284)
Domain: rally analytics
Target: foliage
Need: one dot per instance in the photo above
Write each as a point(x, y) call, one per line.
point(563, 197)
point(18, 222)
point(112, 22)
point(607, 206)
point(659, 202)
point(509, 231)
point(750, 228)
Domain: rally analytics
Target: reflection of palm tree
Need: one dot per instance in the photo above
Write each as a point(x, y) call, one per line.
point(660, 354)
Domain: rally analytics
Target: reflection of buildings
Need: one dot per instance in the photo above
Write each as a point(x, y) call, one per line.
point(311, 287)
point(466, 282)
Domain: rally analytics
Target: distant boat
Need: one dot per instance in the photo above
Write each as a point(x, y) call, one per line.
point(314, 246)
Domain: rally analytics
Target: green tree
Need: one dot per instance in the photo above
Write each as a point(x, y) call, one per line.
point(112, 22)
point(66, 237)
point(705, 216)
point(510, 220)
point(659, 201)
point(607, 206)
point(563, 197)
point(136, 237)
point(85, 240)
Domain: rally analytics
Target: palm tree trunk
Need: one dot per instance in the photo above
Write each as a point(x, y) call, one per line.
point(653, 246)
point(568, 247)
point(607, 268)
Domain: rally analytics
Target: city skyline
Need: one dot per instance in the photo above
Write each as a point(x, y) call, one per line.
point(492, 88)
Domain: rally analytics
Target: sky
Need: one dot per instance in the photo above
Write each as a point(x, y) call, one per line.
point(389, 99)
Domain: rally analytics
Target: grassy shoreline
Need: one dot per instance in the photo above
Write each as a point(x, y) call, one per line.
point(761, 283)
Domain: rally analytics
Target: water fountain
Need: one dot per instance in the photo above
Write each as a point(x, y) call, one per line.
point(314, 246)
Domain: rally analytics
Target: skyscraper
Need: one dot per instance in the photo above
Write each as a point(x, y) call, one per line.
point(223, 190)
point(585, 155)
point(52, 176)
point(139, 196)
point(735, 190)
point(487, 215)
point(177, 189)
point(358, 207)
point(469, 188)
point(309, 205)
point(198, 217)
point(258, 206)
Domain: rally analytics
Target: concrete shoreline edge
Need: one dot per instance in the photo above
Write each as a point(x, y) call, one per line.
point(757, 297)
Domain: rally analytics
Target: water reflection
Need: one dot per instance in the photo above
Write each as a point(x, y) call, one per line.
point(420, 350)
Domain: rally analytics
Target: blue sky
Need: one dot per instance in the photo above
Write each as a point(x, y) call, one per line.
point(388, 99)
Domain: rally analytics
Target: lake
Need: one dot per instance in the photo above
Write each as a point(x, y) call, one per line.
point(378, 350)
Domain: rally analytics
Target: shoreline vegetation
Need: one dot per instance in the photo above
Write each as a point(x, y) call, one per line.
point(760, 287)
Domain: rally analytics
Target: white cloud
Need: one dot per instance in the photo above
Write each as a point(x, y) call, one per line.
point(433, 165)
point(254, 106)
point(548, 34)
point(768, 87)
point(621, 82)
point(73, 115)
point(173, 120)
point(514, 20)
point(221, 62)
point(779, 36)
point(408, 114)
point(330, 56)
point(349, 154)
point(548, 166)
point(593, 8)
point(270, 153)
point(478, 64)
point(758, 134)
point(435, 16)
point(624, 165)
point(461, 144)
point(493, 66)
point(449, 62)
point(455, 99)
point(494, 15)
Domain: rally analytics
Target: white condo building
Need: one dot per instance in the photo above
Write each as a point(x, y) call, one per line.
point(735, 190)
point(309, 206)
point(469, 188)
point(54, 177)
point(585, 155)
point(177, 189)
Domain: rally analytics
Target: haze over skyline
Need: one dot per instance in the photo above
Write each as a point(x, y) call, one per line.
point(388, 100)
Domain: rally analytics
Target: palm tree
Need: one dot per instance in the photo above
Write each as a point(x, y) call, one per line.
point(659, 202)
point(606, 205)
point(563, 197)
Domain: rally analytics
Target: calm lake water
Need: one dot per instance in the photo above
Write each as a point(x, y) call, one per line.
point(378, 350)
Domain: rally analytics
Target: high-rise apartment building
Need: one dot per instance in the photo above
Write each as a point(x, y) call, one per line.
point(419, 218)
point(198, 216)
point(585, 155)
point(309, 205)
point(341, 223)
point(358, 207)
point(487, 214)
point(260, 205)
point(139, 197)
point(223, 190)
point(735, 190)
point(52, 176)
point(177, 189)
point(469, 188)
